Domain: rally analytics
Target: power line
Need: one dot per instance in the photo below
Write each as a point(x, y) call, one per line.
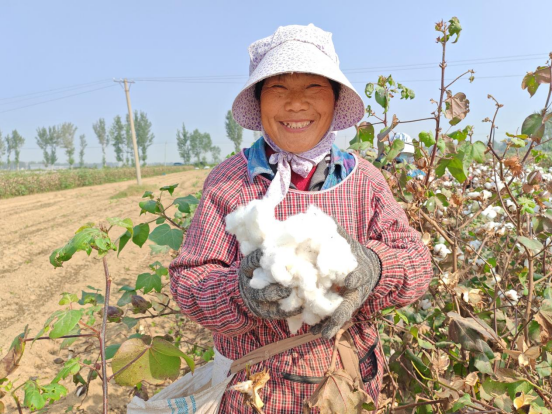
point(61, 89)
point(57, 99)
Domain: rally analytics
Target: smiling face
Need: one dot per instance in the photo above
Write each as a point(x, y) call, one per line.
point(297, 110)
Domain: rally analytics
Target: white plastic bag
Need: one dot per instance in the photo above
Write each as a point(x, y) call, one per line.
point(199, 393)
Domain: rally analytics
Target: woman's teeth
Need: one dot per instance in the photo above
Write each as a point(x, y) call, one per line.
point(297, 125)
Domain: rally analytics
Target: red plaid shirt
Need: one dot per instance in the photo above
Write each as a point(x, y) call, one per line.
point(204, 279)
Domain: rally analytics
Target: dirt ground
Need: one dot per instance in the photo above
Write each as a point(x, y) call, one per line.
point(31, 227)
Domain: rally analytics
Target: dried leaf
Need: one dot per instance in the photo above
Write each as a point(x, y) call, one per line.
point(471, 379)
point(9, 363)
point(457, 107)
point(524, 354)
point(337, 394)
point(426, 238)
point(473, 334)
point(514, 165)
point(533, 80)
point(251, 387)
point(523, 403)
point(544, 318)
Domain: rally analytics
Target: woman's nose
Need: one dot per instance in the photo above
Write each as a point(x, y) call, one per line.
point(296, 102)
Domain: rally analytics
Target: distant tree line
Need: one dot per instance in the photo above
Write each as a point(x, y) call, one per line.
point(192, 146)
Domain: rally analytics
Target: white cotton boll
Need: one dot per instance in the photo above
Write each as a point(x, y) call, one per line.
point(441, 250)
point(294, 323)
point(261, 278)
point(479, 262)
point(499, 185)
point(475, 180)
point(441, 240)
point(304, 252)
point(425, 304)
point(473, 195)
point(489, 213)
point(475, 245)
point(325, 304)
point(447, 184)
point(292, 302)
point(489, 186)
point(511, 296)
point(487, 194)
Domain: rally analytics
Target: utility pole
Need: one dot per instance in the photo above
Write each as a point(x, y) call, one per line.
point(132, 130)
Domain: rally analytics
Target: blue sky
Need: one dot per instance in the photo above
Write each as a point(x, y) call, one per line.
point(53, 44)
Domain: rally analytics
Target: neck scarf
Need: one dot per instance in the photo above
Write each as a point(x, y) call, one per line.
point(301, 163)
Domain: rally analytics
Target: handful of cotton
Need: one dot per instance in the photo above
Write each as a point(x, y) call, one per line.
point(304, 252)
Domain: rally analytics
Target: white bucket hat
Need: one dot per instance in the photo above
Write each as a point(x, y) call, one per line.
point(305, 49)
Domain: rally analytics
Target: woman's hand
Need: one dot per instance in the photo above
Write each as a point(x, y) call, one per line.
point(264, 302)
point(358, 285)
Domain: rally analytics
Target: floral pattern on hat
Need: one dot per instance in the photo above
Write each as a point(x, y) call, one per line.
point(305, 49)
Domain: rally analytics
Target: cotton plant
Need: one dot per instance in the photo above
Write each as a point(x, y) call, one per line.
point(304, 252)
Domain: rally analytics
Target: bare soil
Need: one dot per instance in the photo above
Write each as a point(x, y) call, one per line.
point(31, 227)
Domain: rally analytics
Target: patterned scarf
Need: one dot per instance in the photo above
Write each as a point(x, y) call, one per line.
point(301, 163)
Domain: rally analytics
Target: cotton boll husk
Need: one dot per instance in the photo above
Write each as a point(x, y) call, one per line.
point(261, 278)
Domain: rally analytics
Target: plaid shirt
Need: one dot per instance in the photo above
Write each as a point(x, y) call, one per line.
point(340, 166)
point(204, 277)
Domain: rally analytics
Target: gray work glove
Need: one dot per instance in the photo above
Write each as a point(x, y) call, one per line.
point(264, 302)
point(358, 285)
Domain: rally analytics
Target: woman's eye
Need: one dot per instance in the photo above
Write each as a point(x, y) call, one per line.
point(314, 85)
point(278, 86)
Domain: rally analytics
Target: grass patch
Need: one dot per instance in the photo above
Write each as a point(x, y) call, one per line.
point(13, 184)
point(133, 190)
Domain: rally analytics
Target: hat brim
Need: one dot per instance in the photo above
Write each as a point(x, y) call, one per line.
point(296, 56)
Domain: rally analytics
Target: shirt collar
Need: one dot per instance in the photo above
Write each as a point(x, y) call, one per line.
point(257, 162)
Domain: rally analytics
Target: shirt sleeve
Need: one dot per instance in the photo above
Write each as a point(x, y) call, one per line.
point(204, 276)
point(406, 268)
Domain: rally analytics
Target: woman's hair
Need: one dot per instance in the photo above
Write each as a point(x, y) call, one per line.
point(336, 87)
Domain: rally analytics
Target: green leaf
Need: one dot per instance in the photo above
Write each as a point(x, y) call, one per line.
point(65, 323)
point(454, 29)
point(67, 342)
point(365, 135)
point(84, 240)
point(517, 143)
point(126, 298)
point(71, 367)
point(124, 223)
point(151, 206)
point(382, 98)
point(441, 167)
point(160, 220)
point(163, 235)
point(427, 138)
point(148, 194)
point(129, 322)
point(33, 399)
point(169, 188)
point(369, 90)
point(533, 126)
point(396, 148)
point(458, 166)
point(478, 149)
point(483, 364)
point(441, 145)
point(533, 245)
point(67, 298)
point(418, 363)
point(461, 134)
point(91, 297)
point(111, 350)
point(184, 203)
point(53, 392)
point(141, 233)
point(123, 240)
point(461, 402)
point(151, 365)
point(148, 282)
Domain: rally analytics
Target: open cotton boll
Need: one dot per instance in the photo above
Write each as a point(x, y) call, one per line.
point(304, 252)
point(261, 278)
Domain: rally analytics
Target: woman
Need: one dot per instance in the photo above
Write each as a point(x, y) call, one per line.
point(297, 96)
